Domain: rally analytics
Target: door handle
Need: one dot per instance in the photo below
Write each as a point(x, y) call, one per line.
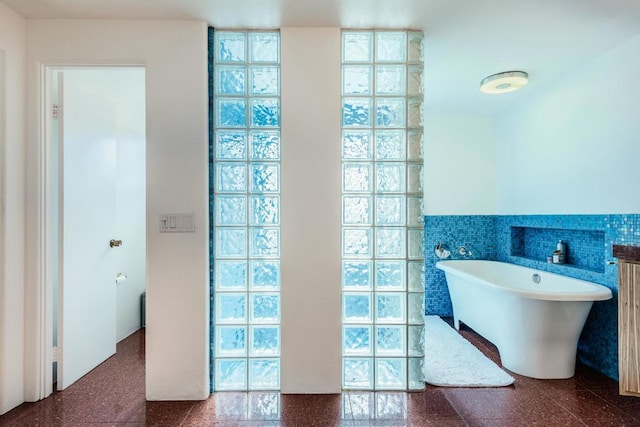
point(115, 243)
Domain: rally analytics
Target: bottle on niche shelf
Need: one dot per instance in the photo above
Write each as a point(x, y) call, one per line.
point(559, 253)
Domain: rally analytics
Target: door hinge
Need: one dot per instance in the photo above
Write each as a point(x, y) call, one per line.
point(54, 110)
point(54, 354)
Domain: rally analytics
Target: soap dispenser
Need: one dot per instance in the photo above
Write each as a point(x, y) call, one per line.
point(560, 251)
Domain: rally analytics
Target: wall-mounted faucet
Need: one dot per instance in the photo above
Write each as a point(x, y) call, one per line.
point(442, 251)
point(464, 252)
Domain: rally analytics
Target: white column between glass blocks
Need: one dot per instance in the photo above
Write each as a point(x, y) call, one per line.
point(382, 222)
point(246, 305)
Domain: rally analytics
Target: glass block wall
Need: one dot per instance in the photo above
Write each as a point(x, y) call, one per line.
point(246, 306)
point(382, 222)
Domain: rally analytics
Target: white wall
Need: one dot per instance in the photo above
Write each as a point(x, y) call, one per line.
point(175, 58)
point(574, 149)
point(13, 51)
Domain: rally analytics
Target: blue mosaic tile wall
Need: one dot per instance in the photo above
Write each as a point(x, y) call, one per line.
point(211, 299)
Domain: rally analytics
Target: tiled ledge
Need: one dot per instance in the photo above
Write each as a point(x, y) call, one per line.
point(627, 253)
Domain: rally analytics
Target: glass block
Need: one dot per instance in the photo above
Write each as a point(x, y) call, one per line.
point(264, 374)
point(265, 47)
point(414, 179)
point(265, 80)
point(231, 145)
point(357, 307)
point(391, 46)
point(230, 405)
point(265, 112)
point(390, 406)
point(356, 177)
point(356, 275)
point(356, 210)
point(231, 47)
point(231, 80)
point(416, 276)
point(390, 145)
point(390, 112)
point(231, 308)
point(356, 80)
point(264, 406)
point(357, 47)
point(390, 210)
point(231, 178)
point(265, 275)
point(356, 340)
point(356, 145)
point(356, 242)
point(415, 46)
point(416, 308)
point(265, 145)
point(265, 242)
point(415, 116)
point(390, 80)
point(230, 210)
point(416, 341)
point(231, 374)
point(231, 242)
point(265, 178)
point(416, 373)
point(357, 373)
point(390, 275)
point(415, 217)
point(415, 85)
point(231, 341)
point(231, 275)
point(390, 177)
point(415, 145)
point(362, 405)
point(391, 374)
point(265, 210)
point(390, 307)
point(390, 340)
point(265, 308)
point(232, 113)
point(390, 243)
point(264, 341)
point(416, 244)
point(356, 112)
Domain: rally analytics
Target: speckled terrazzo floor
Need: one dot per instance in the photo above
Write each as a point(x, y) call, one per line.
point(113, 394)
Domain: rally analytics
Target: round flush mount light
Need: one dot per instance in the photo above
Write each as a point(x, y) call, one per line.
point(504, 82)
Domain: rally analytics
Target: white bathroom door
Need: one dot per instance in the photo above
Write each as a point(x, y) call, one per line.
point(87, 288)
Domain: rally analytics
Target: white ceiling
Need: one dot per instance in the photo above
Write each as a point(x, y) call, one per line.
point(465, 40)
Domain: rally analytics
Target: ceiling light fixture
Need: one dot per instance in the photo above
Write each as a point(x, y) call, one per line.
point(504, 82)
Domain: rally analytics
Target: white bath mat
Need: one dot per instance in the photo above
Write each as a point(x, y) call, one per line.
point(452, 361)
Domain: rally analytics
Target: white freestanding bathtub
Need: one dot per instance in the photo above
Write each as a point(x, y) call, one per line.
point(533, 317)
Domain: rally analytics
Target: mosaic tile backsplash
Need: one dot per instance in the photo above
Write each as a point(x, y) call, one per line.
point(527, 240)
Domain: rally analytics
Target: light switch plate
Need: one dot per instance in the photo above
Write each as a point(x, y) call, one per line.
point(177, 223)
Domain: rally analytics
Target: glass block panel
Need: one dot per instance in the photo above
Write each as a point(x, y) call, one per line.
point(231, 308)
point(264, 47)
point(357, 307)
point(357, 47)
point(390, 242)
point(265, 275)
point(231, 341)
point(265, 242)
point(356, 242)
point(356, 210)
point(231, 178)
point(390, 112)
point(415, 145)
point(390, 145)
point(265, 210)
point(231, 145)
point(231, 275)
point(265, 80)
point(415, 117)
point(231, 47)
point(357, 340)
point(414, 179)
point(416, 244)
point(231, 374)
point(356, 177)
point(356, 275)
point(415, 217)
point(416, 373)
point(232, 113)
point(357, 373)
point(264, 374)
point(231, 80)
point(391, 374)
point(264, 406)
point(390, 307)
point(265, 308)
point(416, 308)
point(416, 341)
point(231, 210)
point(416, 276)
point(390, 177)
point(265, 112)
point(390, 275)
point(390, 340)
point(356, 112)
point(415, 47)
point(390, 210)
point(415, 85)
point(390, 80)
point(264, 341)
point(265, 145)
point(231, 242)
point(265, 178)
point(356, 80)
point(391, 46)
point(356, 145)
point(390, 406)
